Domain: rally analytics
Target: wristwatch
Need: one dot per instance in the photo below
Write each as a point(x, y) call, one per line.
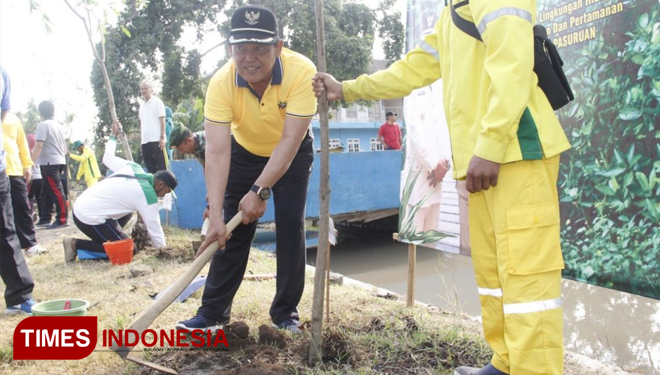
point(262, 192)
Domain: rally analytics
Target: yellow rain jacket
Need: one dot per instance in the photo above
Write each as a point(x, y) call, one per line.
point(16, 146)
point(88, 166)
point(485, 116)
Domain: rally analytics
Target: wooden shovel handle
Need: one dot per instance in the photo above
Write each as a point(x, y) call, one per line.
point(148, 315)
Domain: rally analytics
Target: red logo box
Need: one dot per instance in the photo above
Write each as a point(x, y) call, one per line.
point(55, 337)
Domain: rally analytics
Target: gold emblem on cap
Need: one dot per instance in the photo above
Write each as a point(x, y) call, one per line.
point(251, 17)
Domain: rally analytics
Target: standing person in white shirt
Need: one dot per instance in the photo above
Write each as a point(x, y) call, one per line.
point(102, 210)
point(152, 129)
point(50, 154)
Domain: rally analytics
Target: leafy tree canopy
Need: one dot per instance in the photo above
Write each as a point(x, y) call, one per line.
point(147, 39)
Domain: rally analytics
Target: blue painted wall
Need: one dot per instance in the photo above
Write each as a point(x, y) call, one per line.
point(364, 131)
point(189, 206)
point(359, 181)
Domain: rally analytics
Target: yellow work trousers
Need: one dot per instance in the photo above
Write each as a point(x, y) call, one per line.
point(514, 235)
point(91, 182)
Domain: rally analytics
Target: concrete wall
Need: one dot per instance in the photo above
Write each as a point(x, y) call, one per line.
point(360, 181)
point(363, 131)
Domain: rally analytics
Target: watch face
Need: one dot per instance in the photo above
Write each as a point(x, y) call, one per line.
point(264, 193)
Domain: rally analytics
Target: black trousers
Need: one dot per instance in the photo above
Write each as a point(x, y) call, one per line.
point(111, 230)
point(153, 157)
point(22, 212)
point(228, 267)
point(37, 192)
point(51, 175)
point(13, 268)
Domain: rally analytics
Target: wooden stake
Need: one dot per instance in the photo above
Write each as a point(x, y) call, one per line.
point(315, 351)
point(327, 286)
point(412, 270)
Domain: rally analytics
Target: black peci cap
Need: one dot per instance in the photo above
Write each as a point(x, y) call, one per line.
point(253, 24)
point(168, 178)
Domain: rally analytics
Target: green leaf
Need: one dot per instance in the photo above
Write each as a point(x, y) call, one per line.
point(652, 208)
point(643, 181)
point(612, 172)
point(613, 184)
point(643, 20)
point(619, 158)
point(605, 190)
point(587, 272)
point(628, 114)
point(627, 179)
point(125, 31)
point(631, 154)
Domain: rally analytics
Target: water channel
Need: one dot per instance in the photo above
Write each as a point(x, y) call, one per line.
point(613, 327)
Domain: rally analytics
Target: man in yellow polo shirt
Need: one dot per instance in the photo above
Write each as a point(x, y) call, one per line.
point(506, 142)
point(258, 141)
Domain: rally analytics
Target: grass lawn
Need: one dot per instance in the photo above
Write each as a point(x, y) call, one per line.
point(368, 333)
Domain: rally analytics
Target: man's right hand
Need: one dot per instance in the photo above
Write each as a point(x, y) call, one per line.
point(325, 82)
point(115, 128)
point(481, 174)
point(436, 175)
point(217, 232)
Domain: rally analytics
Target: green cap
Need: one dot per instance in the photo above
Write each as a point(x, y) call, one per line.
point(176, 136)
point(77, 144)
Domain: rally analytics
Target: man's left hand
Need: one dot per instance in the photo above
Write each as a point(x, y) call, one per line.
point(481, 174)
point(27, 175)
point(253, 208)
point(161, 143)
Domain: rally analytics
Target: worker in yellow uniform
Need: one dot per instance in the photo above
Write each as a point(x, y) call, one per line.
point(88, 165)
point(506, 142)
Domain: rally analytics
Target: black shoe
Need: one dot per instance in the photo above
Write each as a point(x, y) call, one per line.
point(198, 322)
point(43, 223)
point(292, 325)
point(57, 224)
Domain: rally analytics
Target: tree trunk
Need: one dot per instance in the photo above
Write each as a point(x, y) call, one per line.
point(113, 112)
point(315, 348)
point(100, 59)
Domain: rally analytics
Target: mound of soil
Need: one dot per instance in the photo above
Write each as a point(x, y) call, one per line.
point(271, 336)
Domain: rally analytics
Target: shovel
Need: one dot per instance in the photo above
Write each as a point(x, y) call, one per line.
point(144, 320)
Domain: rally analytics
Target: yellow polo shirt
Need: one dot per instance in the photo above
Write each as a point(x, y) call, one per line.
point(257, 123)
